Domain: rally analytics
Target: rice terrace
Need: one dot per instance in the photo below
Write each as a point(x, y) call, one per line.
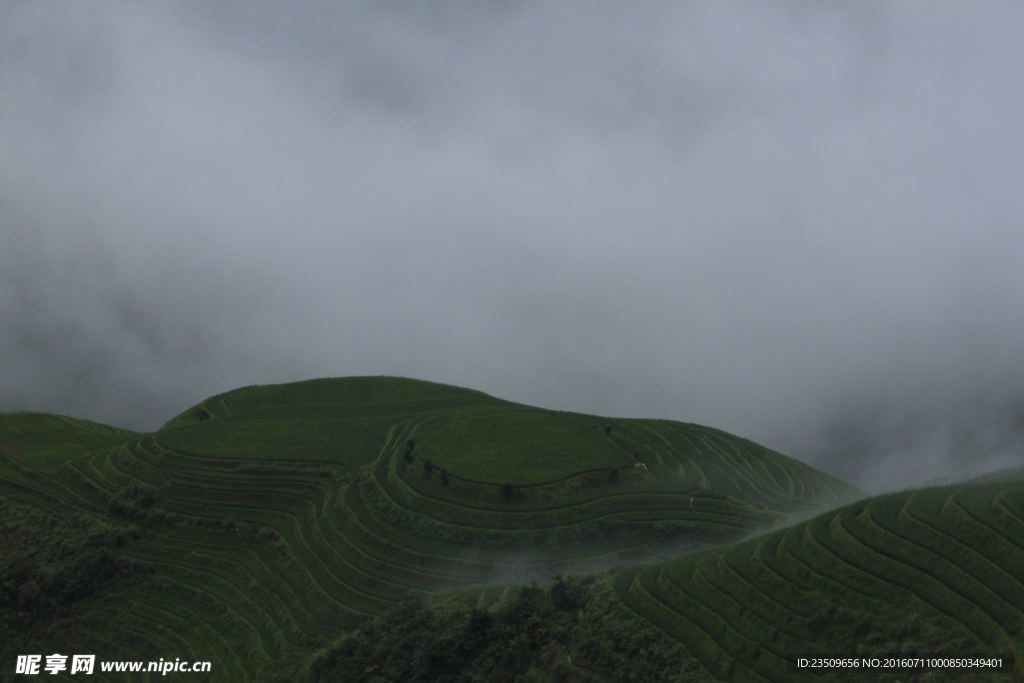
point(388, 529)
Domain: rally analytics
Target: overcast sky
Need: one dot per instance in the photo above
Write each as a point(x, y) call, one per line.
point(798, 221)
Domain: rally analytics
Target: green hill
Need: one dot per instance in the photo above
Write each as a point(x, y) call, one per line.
point(264, 523)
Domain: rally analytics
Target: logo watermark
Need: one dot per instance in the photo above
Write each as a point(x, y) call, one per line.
point(52, 664)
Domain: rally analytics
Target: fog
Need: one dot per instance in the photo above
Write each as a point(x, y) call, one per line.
point(796, 221)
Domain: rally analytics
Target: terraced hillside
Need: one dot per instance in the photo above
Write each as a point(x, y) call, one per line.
point(935, 572)
point(260, 525)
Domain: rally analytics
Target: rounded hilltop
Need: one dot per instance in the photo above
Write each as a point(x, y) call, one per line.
point(331, 397)
point(477, 438)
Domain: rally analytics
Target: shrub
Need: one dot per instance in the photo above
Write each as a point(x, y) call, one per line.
point(567, 596)
point(133, 502)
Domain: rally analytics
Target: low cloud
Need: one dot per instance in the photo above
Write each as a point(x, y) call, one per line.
point(796, 221)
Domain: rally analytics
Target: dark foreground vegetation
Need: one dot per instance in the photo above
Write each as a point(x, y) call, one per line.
point(570, 630)
point(48, 563)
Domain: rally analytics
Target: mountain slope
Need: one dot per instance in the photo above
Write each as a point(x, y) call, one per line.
point(935, 572)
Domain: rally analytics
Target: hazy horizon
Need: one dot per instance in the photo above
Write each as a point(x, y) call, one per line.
point(797, 222)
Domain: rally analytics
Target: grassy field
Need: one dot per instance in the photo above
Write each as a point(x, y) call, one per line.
point(268, 524)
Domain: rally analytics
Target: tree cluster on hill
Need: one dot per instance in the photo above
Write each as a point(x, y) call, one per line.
point(569, 630)
point(49, 562)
